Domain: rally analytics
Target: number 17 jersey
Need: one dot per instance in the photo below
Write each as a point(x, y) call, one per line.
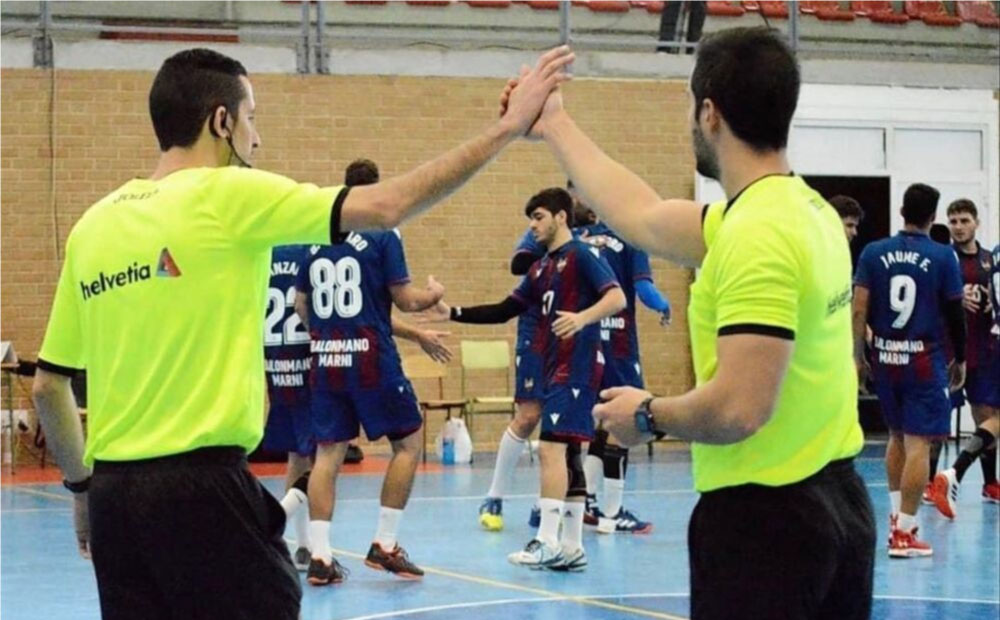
point(349, 310)
point(909, 278)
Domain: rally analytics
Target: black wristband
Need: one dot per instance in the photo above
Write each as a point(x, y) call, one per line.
point(78, 487)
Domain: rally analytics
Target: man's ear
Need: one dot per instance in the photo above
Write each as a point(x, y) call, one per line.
point(217, 122)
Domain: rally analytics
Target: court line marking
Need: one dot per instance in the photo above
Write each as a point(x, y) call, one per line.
point(46, 494)
point(551, 599)
point(547, 594)
point(506, 601)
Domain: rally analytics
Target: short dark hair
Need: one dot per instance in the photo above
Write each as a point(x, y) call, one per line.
point(847, 207)
point(919, 204)
point(753, 78)
point(553, 200)
point(188, 88)
point(361, 172)
point(963, 205)
point(940, 233)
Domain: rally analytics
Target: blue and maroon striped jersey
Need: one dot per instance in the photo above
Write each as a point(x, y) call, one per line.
point(629, 264)
point(349, 310)
point(976, 268)
point(571, 278)
point(286, 342)
point(910, 278)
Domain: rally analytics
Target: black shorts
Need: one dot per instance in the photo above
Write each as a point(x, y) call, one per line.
point(805, 550)
point(191, 536)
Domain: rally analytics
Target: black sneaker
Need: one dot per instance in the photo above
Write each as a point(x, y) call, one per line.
point(322, 574)
point(395, 561)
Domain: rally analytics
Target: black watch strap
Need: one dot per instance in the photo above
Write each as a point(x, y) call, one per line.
point(78, 487)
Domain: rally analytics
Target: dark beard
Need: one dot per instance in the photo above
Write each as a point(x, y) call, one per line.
point(706, 161)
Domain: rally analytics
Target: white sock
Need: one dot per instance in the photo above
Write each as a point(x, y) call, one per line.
point(613, 492)
point(292, 501)
point(572, 533)
point(907, 522)
point(388, 527)
point(507, 455)
point(548, 529)
point(301, 524)
point(319, 537)
point(593, 471)
point(895, 499)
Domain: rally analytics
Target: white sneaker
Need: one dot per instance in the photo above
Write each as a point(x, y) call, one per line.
point(536, 555)
point(945, 493)
point(573, 561)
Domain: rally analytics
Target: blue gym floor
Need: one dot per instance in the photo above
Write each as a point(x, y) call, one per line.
point(468, 575)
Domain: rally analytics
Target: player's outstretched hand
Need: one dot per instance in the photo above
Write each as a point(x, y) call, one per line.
point(568, 324)
point(432, 342)
point(956, 376)
point(81, 523)
point(522, 100)
point(665, 318)
point(618, 414)
point(971, 298)
point(438, 313)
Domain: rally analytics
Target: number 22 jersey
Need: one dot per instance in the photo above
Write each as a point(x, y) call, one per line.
point(286, 342)
point(349, 310)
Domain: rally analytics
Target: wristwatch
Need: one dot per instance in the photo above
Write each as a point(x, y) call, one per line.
point(77, 487)
point(644, 421)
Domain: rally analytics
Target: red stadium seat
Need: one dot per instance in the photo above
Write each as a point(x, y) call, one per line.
point(488, 4)
point(608, 6)
point(366, 1)
point(724, 9)
point(769, 8)
point(932, 12)
point(547, 5)
point(978, 12)
point(878, 11)
point(651, 6)
point(826, 11)
point(428, 2)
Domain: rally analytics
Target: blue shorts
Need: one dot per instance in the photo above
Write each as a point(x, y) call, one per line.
point(568, 414)
point(289, 429)
point(922, 410)
point(528, 376)
point(982, 385)
point(391, 411)
point(619, 372)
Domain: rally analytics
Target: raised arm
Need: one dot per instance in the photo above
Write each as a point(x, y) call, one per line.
point(386, 204)
point(670, 229)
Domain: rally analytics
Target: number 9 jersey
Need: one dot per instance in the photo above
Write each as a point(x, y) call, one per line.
point(909, 278)
point(349, 310)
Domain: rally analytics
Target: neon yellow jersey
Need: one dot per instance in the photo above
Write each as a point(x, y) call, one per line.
point(778, 264)
point(162, 298)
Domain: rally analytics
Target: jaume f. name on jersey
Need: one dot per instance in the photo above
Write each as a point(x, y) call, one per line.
point(910, 257)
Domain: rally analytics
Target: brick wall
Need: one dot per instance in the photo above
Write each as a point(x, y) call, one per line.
point(311, 127)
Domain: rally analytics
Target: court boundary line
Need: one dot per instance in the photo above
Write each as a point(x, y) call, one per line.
point(547, 594)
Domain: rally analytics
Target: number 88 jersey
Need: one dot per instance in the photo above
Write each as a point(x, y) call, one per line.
point(347, 286)
point(909, 278)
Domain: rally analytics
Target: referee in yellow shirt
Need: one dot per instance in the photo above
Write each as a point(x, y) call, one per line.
point(161, 300)
point(784, 526)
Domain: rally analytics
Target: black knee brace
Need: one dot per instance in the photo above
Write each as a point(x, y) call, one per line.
point(615, 462)
point(597, 445)
point(574, 466)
